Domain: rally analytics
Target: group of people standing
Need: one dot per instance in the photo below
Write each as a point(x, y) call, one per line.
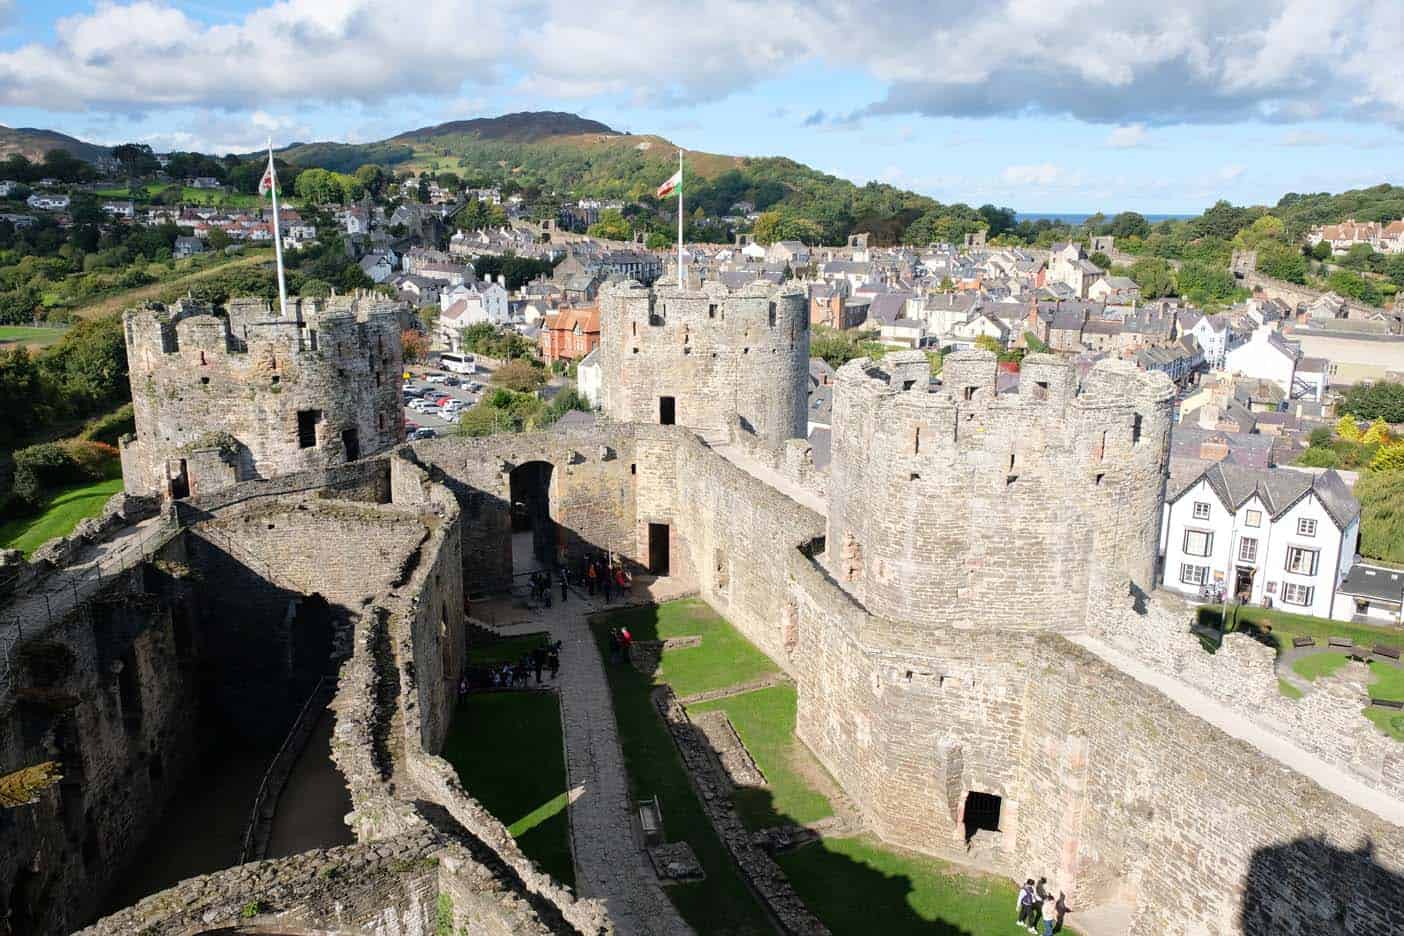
point(1034, 912)
point(605, 577)
point(507, 675)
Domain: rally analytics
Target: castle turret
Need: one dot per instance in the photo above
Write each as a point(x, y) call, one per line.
point(700, 357)
point(220, 399)
point(968, 508)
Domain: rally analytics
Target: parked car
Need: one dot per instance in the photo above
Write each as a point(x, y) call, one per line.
point(451, 381)
point(436, 378)
point(422, 406)
point(425, 433)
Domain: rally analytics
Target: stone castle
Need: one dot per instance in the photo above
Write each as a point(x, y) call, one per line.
point(220, 399)
point(966, 619)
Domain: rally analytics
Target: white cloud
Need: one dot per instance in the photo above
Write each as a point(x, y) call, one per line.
point(1127, 63)
point(1040, 175)
point(1128, 137)
point(1230, 172)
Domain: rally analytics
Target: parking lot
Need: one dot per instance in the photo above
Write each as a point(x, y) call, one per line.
point(426, 378)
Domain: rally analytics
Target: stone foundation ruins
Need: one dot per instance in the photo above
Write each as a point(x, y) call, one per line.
point(973, 663)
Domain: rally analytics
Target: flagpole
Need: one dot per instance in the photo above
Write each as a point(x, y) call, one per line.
point(277, 236)
point(681, 284)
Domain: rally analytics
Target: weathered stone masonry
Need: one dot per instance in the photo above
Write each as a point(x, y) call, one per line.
point(223, 399)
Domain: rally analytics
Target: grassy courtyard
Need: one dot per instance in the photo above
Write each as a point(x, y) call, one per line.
point(1386, 682)
point(60, 515)
point(855, 885)
point(508, 751)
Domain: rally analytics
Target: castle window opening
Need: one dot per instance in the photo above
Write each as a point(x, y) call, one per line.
point(1098, 479)
point(772, 315)
point(203, 362)
point(914, 477)
point(711, 310)
point(1136, 429)
point(1102, 446)
point(307, 427)
point(204, 381)
point(981, 813)
point(351, 442)
point(970, 393)
point(667, 411)
point(277, 380)
point(312, 338)
point(916, 440)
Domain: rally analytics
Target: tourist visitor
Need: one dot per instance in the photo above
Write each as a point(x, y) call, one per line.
point(1041, 897)
point(591, 577)
point(553, 660)
point(538, 662)
point(605, 581)
point(563, 584)
point(1060, 910)
point(1024, 903)
point(613, 645)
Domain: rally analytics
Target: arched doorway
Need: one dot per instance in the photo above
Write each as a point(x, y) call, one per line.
point(533, 530)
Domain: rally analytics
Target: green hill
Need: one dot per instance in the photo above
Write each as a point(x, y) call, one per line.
point(33, 143)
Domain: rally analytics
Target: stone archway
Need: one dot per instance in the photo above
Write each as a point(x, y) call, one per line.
point(534, 531)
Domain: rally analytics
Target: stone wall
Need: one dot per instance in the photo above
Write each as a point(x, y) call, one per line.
point(714, 352)
point(253, 395)
point(107, 692)
point(1244, 265)
point(968, 509)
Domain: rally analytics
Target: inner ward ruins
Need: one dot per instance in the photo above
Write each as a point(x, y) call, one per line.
point(1001, 652)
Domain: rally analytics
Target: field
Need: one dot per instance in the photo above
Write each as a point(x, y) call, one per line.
point(192, 196)
point(33, 338)
point(63, 512)
point(127, 298)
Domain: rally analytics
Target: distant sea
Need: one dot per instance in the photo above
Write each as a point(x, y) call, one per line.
point(1075, 219)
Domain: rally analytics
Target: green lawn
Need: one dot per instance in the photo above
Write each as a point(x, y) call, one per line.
point(1322, 664)
point(765, 721)
point(1388, 682)
point(1284, 626)
point(858, 886)
point(725, 658)
point(25, 335)
point(1289, 690)
point(63, 512)
point(508, 751)
point(721, 904)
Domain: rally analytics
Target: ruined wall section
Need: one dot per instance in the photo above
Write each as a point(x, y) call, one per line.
point(967, 508)
point(253, 395)
point(592, 493)
point(714, 352)
point(107, 692)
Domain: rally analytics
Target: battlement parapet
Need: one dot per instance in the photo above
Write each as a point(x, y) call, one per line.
point(699, 356)
point(940, 498)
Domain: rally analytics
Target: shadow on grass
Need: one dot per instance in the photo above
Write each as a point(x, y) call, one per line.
point(508, 751)
point(853, 885)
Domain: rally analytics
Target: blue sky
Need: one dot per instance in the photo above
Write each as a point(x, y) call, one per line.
point(1041, 105)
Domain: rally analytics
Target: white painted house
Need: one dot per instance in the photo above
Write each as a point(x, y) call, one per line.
point(1372, 594)
point(589, 378)
point(1264, 535)
point(1265, 356)
point(1215, 338)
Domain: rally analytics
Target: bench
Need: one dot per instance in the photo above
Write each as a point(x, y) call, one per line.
point(651, 821)
point(1385, 650)
point(1341, 643)
point(1388, 703)
point(1303, 642)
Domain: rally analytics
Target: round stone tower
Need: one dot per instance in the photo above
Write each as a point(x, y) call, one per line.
point(699, 357)
point(968, 508)
point(221, 399)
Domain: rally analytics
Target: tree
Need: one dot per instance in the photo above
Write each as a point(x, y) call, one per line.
point(1319, 458)
point(1377, 434)
point(1321, 437)
point(611, 226)
point(1347, 428)
point(1382, 400)
point(657, 241)
point(1281, 262)
point(988, 343)
point(415, 345)
point(1155, 277)
point(1128, 224)
point(1381, 496)
point(316, 288)
point(217, 239)
point(519, 376)
point(1321, 250)
point(1390, 458)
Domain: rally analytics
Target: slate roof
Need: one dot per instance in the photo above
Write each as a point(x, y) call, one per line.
point(887, 308)
point(1376, 582)
point(1278, 488)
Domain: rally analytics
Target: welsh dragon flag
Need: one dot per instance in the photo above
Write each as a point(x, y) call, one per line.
point(269, 179)
point(673, 182)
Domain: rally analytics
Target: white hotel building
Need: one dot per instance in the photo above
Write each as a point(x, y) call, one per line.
point(1266, 536)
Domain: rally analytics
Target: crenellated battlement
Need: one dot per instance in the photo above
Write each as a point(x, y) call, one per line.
point(697, 357)
point(940, 499)
point(315, 388)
